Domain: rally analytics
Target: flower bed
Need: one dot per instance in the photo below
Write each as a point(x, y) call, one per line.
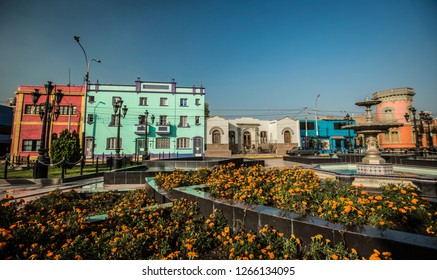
point(398, 207)
point(57, 226)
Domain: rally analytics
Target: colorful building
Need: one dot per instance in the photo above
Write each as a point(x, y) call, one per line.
point(329, 133)
point(27, 125)
point(250, 136)
point(175, 124)
point(395, 103)
point(6, 114)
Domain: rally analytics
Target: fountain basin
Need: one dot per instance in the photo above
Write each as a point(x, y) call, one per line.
point(425, 179)
point(375, 169)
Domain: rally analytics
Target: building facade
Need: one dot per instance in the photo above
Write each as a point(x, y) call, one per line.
point(175, 123)
point(329, 134)
point(395, 103)
point(27, 125)
point(6, 114)
point(250, 136)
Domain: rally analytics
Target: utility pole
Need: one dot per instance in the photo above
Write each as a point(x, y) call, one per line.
point(317, 126)
point(306, 128)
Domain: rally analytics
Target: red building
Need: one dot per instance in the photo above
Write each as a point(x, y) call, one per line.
point(27, 125)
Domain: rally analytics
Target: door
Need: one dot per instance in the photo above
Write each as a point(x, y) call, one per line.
point(89, 142)
point(140, 146)
point(247, 142)
point(197, 146)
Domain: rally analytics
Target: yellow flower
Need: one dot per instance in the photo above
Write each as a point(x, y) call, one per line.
point(192, 254)
point(334, 257)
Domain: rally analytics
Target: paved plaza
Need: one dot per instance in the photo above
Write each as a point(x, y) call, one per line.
point(29, 190)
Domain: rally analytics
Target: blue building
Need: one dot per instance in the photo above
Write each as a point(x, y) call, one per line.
point(330, 135)
point(6, 115)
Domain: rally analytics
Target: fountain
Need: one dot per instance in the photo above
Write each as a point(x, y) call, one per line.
point(372, 163)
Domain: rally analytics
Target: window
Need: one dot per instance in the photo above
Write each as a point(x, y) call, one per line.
point(216, 137)
point(90, 118)
point(395, 137)
point(183, 143)
point(163, 101)
point(91, 99)
point(184, 102)
point(310, 125)
point(197, 120)
point(287, 136)
point(163, 143)
point(143, 101)
point(30, 145)
point(30, 109)
point(111, 143)
point(64, 110)
point(338, 125)
point(115, 119)
point(162, 120)
point(183, 121)
point(388, 114)
point(263, 137)
point(197, 102)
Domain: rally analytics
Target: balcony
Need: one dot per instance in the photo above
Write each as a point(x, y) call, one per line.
point(163, 128)
point(141, 129)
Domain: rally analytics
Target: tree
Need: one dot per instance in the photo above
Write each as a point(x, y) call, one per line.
point(67, 147)
point(206, 110)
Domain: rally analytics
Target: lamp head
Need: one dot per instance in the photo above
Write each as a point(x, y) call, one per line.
point(35, 96)
point(58, 96)
point(124, 111)
point(49, 87)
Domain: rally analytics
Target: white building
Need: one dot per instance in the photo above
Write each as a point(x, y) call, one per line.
point(250, 136)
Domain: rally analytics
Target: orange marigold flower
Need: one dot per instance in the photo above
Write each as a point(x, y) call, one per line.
point(334, 257)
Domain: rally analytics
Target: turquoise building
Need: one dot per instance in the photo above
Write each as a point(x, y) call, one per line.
point(330, 134)
point(175, 121)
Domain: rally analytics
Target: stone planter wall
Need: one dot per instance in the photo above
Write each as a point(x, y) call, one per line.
point(402, 245)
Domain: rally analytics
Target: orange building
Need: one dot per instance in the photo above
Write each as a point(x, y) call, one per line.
point(27, 125)
point(395, 104)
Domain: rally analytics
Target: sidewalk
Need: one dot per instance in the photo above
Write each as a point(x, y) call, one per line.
point(30, 189)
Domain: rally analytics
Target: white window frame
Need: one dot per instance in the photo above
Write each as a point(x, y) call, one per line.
point(183, 143)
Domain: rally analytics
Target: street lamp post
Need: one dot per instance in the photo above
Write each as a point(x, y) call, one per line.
point(119, 112)
point(145, 117)
point(348, 119)
point(87, 75)
point(426, 117)
point(47, 111)
point(416, 131)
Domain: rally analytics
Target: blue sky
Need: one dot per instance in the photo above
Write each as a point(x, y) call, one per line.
point(264, 59)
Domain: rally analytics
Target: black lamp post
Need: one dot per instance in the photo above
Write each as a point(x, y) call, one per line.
point(416, 131)
point(119, 112)
point(146, 155)
point(47, 111)
point(348, 119)
point(426, 117)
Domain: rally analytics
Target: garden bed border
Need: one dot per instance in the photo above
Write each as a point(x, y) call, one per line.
point(402, 245)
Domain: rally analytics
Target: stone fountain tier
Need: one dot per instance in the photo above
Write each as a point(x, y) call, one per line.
point(373, 163)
